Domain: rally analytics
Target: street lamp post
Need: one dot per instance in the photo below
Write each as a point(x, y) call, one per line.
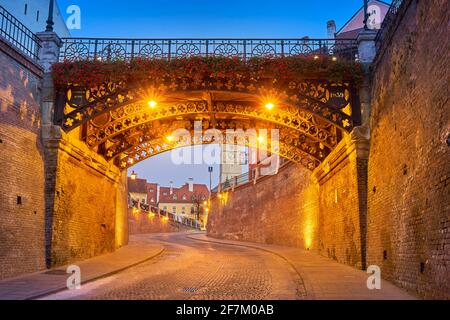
point(210, 170)
point(50, 22)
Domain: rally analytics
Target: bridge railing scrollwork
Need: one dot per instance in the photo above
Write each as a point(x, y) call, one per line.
point(127, 49)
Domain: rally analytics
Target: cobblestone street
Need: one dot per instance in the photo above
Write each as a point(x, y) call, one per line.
point(191, 270)
point(195, 267)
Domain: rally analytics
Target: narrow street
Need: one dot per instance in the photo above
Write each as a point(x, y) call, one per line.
point(193, 270)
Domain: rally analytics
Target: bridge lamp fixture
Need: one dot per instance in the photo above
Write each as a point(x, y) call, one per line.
point(269, 106)
point(220, 196)
point(170, 138)
point(205, 203)
point(152, 104)
point(334, 58)
point(316, 57)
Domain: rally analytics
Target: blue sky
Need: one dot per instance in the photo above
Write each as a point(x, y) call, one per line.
point(204, 19)
point(210, 18)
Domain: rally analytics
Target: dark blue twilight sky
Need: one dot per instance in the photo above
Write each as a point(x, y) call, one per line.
point(207, 19)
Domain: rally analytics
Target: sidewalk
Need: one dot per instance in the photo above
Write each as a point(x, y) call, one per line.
point(33, 286)
point(324, 279)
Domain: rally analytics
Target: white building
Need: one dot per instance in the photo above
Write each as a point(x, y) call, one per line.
point(34, 13)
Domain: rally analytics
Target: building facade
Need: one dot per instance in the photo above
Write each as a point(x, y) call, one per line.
point(34, 13)
point(187, 201)
point(137, 191)
point(377, 11)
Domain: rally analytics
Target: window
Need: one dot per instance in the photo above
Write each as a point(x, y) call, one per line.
point(165, 208)
point(175, 197)
point(165, 193)
point(152, 200)
point(174, 209)
point(152, 191)
point(184, 197)
point(183, 210)
point(26, 9)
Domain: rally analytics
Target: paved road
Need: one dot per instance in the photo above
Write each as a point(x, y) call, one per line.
point(189, 269)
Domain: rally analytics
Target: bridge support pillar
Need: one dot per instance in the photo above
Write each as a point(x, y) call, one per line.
point(342, 180)
point(85, 196)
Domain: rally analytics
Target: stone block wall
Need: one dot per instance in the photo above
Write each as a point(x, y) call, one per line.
point(280, 209)
point(140, 223)
point(409, 164)
point(339, 207)
point(87, 204)
point(22, 206)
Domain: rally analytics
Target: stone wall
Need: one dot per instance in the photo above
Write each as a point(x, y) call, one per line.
point(343, 200)
point(280, 209)
point(409, 167)
point(87, 204)
point(140, 223)
point(21, 166)
point(323, 210)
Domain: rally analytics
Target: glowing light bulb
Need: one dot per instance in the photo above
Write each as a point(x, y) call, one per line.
point(270, 106)
point(152, 104)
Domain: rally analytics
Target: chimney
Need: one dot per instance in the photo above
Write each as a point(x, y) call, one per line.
point(331, 29)
point(191, 184)
point(171, 187)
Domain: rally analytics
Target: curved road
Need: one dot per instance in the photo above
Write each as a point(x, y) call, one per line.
point(189, 269)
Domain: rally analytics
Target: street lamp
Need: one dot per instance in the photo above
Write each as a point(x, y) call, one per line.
point(50, 22)
point(210, 170)
point(133, 175)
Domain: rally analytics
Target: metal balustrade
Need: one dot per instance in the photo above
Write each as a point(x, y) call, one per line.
point(75, 49)
point(18, 35)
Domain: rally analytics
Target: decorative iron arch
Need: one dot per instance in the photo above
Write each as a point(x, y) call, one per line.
point(337, 103)
point(135, 115)
point(138, 144)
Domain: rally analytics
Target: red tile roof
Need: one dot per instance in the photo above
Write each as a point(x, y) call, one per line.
point(137, 185)
point(183, 195)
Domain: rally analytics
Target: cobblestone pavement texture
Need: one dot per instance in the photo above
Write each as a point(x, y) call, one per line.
point(194, 270)
point(196, 267)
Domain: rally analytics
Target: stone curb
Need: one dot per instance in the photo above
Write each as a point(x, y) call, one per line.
point(309, 290)
point(105, 275)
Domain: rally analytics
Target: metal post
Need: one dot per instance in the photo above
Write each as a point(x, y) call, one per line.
point(366, 14)
point(50, 22)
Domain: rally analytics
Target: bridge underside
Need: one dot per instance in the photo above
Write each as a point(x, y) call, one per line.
point(127, 123)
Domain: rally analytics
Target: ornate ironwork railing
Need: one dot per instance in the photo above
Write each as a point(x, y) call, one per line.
point(389, 22)
point(126, 49)
point(16, 33)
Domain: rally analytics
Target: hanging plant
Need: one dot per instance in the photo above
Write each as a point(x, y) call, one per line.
point(280, 70)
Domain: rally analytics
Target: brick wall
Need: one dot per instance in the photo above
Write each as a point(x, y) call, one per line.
point(140, 223)
point(409, 167)
point(280, 209)
point(86, 204)
point(21, 166)
point(339, 215)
